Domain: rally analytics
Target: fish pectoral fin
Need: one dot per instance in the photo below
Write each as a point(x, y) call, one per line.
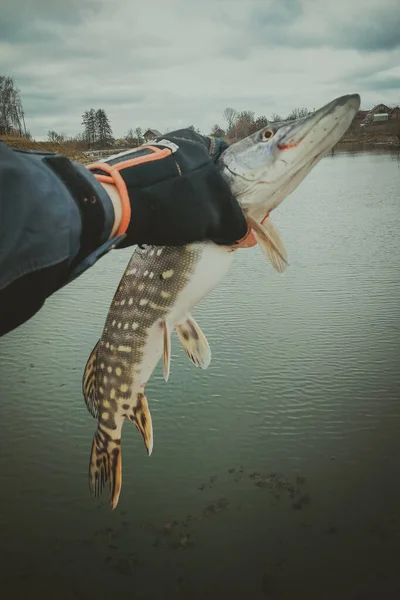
point(89, 383)
point(141, 417)
point(167, 351)
point(194, 342)
point(105, 465)
point(270, 243)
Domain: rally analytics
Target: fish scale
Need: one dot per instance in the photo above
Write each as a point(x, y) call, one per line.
point(118, 367)
point(144, 296)
point(161, 285)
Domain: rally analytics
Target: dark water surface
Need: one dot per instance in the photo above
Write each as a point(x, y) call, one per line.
point(275, 473)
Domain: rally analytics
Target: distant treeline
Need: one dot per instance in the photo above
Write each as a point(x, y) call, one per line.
point(97, 131)
point(244, 123)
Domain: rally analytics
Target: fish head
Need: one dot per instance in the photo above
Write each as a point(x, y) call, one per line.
point(264, 168)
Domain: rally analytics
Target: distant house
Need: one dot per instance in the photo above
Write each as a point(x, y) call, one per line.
point(218, 133)
point(379, 108)
point(380, 117)
point(151, 134)
point(381, 112)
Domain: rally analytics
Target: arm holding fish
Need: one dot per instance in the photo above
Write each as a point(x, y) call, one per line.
point(58, 217)
point(172, 192)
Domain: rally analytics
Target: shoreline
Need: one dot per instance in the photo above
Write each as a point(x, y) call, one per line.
point(347, 143)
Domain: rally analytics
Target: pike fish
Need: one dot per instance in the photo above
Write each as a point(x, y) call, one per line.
point(161, 285)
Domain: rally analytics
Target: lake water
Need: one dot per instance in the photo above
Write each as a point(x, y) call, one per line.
point(275, 473)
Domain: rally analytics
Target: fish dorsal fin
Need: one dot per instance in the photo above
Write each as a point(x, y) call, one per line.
point(167, 351)
point(89, 383)
point(270, 243)
point(194, 342)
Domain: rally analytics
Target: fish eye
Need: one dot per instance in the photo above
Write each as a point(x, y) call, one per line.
point(267, 134)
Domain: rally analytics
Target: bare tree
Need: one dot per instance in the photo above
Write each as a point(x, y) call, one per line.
point(276, 118)
point(297, 113)
point(244, 124)
point(53, 136)
point(217, 130)
point(139, 135)
point(130, 137)
point(11, 112)
point(230, 115)
point(259, 123)
point(79, 141)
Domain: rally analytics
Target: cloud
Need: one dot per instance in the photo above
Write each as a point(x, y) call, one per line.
point(376, 83)
point(375, 30)
point(27, 21)
point(362, 26)
point(171, 65)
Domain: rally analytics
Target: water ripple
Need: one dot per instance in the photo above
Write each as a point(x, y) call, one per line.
point(304, 378)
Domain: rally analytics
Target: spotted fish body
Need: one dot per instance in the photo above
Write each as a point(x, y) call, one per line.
point(161, 285)
point(158, 290)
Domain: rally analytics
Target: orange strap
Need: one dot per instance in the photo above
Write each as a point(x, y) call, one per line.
point(249, 239)
point(114, 178)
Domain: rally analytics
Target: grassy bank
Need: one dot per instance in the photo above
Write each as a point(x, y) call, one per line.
point(387, 132)
point(68, 149)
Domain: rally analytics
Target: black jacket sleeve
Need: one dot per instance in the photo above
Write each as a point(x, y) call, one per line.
point(42, 225)
point(56, 219)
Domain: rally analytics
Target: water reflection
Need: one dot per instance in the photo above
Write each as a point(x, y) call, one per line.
point(355, 148)
point(275, 472)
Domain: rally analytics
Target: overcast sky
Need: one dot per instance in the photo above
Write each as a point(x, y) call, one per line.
point(169, 64)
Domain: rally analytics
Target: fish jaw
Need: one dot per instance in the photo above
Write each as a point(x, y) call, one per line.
point(262, 171)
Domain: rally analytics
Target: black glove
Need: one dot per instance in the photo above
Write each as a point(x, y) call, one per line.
point(180, 197)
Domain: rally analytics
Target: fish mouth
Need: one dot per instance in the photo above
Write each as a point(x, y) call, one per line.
point(305, 141)
point(339, 114)
point(274, 169)
point(299, 144)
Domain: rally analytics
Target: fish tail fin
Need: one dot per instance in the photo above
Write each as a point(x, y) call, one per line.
point(105, 465)
point(141, 418)
point(194, 342)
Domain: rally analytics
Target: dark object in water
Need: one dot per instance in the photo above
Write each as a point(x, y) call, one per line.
point(261, 483)
point(223, 503)
point(126, 566)
point(303, 501)
point(332, 529)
